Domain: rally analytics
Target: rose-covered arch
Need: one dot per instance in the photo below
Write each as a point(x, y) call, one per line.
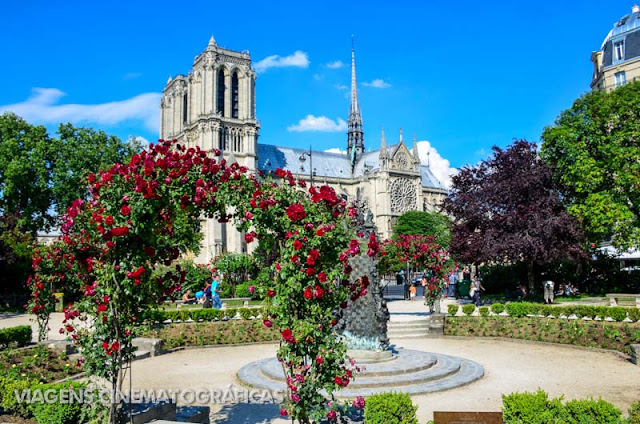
point(148, 212)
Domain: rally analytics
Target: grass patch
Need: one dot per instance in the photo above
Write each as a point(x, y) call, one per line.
point(608, 335)
point(211, 333)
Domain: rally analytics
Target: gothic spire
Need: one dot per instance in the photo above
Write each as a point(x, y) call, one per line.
point(355, 135)
point(416, 156)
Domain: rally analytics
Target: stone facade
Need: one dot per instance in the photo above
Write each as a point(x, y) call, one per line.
point(214, 106)
point(618, 60)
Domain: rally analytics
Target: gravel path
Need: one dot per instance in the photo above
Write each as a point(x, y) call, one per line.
point(509, 366)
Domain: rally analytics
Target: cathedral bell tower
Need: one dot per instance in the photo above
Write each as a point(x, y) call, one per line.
point(355, 135)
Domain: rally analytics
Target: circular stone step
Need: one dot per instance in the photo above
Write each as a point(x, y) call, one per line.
point(412, 372)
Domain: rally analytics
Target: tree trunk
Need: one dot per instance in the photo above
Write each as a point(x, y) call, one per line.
point(530, 276)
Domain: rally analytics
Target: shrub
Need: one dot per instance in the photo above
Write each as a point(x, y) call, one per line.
point(634, 413)
point(9, 399)
point(517, 309)
point(15, 336)
point(468, 309)
point(246, 313)
point(242, 290)
point(497, 308)
point(587, 411)
point(634, 314)
point(532, 408)
point(225, 290)
point(484, 311)
point(452, 309)
point(547, 310)
point(390, 408)
point(60, 412)
point(601, 311)
point(618, 313)
point(230, 313)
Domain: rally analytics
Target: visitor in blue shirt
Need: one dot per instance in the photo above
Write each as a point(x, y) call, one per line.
point(215, 298)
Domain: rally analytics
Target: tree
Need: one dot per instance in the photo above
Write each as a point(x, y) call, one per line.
point(507, 210)
point(594, 151)
point(425, 223)
point(25, 166)
point(40, 176)
point(148, 211)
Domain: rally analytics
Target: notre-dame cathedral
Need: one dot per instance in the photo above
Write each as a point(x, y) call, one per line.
point(214, 106)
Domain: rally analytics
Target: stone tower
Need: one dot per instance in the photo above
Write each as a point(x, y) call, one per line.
point(355, 134)
point(214, 106)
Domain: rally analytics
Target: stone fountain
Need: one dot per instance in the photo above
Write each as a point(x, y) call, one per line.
point(363, 324)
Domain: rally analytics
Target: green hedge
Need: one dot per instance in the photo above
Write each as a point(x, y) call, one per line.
point(537, 408)
point(522, 309)
point(468, 309)
point(390, 408)
point(634, 413)
point(203, 314)
point(44, 413)
point(497, 308)
point(15, 336)
point(483, 311)
point(452, 309)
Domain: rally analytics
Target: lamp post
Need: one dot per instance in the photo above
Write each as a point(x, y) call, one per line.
point(303, 159)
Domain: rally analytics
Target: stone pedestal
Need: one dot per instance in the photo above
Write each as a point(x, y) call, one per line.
point(635, 354)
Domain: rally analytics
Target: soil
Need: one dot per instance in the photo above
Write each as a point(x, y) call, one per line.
point(38, 363)
point(16, 420)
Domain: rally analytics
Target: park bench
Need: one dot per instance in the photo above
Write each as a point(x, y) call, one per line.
point(624, 299)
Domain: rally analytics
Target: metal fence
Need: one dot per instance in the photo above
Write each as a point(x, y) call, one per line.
point(393, 291)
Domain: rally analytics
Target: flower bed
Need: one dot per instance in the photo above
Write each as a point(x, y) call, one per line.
point(37, 363)
point(595, 334)
point(211, 333)
point(204, 314)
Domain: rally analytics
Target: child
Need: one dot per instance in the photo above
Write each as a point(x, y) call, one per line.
point(412, 293)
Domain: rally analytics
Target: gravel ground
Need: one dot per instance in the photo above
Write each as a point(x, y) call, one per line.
point(509, 366)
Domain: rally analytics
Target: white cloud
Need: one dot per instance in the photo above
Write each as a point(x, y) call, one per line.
point(42, 108)
point(341, 87)
point(335, 65)
point(132, 75)
point(298, 59)
point(377, 83)
point(440, 166)
point(318, 123)
point(318, 77)
point(336, 150)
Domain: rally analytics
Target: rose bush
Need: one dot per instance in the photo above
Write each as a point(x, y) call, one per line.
point(148, 212)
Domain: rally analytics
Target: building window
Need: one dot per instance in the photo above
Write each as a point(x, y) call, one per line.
point(185, 112)
point(618, 51)
point(220, 105)
point(621, 79)
point(234, 95)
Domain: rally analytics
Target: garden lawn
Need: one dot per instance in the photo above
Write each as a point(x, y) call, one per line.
point(596, 334)
point(211, 333)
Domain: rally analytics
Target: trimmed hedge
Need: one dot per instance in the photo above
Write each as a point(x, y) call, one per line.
point(390, 408)
point(483, 311)
point(468, 309)
point(203, 314)
point(452, 309)
point(537, 408)
point(634, 413)
point(15, 336)
point(523, 309)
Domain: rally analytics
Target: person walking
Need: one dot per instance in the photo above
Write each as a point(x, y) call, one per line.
point(548, 291)
point(412, 293)
point(476, 286)
point(453, 282)
point(215, 292)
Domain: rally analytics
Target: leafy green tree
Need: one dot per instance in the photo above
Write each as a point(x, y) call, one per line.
point(425, 223)
point(594, 151)
point(78, 152)
point(25, 169)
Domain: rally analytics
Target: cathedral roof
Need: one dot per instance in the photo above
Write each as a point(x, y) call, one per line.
point(331, 165)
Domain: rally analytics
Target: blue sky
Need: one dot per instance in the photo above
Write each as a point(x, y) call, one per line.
point(462, 75)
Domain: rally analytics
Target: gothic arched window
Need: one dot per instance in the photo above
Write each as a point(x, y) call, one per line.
point(185, 104)
point(221, 132)
point(220, 105)
point(234, 95)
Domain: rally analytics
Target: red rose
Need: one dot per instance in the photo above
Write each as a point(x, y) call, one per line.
point(267, 323)
point(311, 271)
point(297, 245)
point(322, 277)
point(125, 210)
point(286, 333)
point(308, 293)
point(338, 380)
point(296, 212)
point(319, 360)
point(271, 293)
point(102, 308)
point(109, 220)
